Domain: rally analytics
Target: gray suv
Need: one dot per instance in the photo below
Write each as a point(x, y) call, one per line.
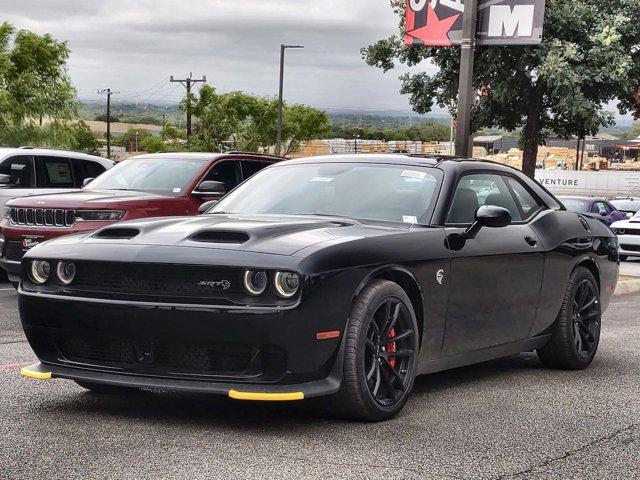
point(37, 171)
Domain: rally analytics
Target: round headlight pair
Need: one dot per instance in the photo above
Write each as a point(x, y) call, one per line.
point(40, 272)
point(619, 231)
point(286, 284)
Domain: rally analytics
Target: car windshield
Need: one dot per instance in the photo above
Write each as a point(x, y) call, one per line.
point(170, 176)
point(353, 190)
point(626, 205)
point(576, 205)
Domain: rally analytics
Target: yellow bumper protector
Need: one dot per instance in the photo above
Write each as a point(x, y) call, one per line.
point(266, 397)
point(37, 375)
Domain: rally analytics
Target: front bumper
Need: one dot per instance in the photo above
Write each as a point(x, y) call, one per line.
point(629, 245)
point(12, 268)
point(252, 353)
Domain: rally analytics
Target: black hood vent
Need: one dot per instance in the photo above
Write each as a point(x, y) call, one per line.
point(220, 236)
point(117, 233)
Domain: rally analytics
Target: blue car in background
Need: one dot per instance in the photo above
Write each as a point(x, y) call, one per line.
point(595, 207)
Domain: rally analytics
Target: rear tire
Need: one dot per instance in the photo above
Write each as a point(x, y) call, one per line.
point(378, 371)
point(576, 333)
point(104, 389)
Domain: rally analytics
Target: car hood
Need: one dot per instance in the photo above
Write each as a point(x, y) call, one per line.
point(280, 235)
point(79, 199)
point(629, 223)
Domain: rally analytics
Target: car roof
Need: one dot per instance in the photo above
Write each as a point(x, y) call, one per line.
point(386, 158)
point(204, 156)
point(582, 197)
point(5, 152)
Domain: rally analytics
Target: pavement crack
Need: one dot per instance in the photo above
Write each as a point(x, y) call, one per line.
point(568, 453)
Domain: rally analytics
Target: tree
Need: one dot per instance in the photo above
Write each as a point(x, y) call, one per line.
point(301, 123)
point(102, 117)
point(154, 145)
point(34, 82)
point(636, 129)
point(133, 138)
point(589, 56)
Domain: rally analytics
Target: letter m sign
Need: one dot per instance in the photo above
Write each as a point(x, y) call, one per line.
point(511, 22)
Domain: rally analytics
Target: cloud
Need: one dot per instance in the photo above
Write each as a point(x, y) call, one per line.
point(132, 46)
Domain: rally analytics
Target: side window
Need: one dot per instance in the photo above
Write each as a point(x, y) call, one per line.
point(20, 171)
point(86, 169)
point(528, 204)
point(227, 172)
point(54, 172)
point(475, 191)
point(250, 168)
point(600, 208)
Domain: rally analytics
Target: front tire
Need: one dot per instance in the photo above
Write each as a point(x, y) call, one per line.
point(575, 335)
point(380, 357)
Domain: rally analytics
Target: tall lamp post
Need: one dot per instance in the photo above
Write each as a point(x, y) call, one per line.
point(280, 95)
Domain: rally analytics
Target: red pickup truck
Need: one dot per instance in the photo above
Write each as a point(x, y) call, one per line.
point(158, 185)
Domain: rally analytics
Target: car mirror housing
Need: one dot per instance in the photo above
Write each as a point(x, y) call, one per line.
point(87, 181)
point(211, 187)
point(204, 208)
point(5, 179)
point(489, 216)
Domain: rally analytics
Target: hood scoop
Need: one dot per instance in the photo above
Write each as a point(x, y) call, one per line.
point(220, 236)
point(117, 233)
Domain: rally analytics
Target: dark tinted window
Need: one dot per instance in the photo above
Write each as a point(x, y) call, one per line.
point(227, 172)
point(527, 202)
point(54, 172)
point(601, 208)
point(86, 169)
point(250, 168)
point(20, 171)
point(475, 191)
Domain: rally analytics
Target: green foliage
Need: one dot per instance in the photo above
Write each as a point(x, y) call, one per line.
point(170, 132)
point(636, 129)
point(154, 145)
point(33, 79)
point(128, 140)
point(102, 117)
point(428, 130)
point(57, 134)
point(249, 122)
point(589, 56)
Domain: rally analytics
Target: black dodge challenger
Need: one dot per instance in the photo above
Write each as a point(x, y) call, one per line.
point(332, 276)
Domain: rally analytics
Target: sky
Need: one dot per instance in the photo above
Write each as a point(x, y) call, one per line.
point(134, 46)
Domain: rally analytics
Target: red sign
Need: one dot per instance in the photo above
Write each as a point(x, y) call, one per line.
point(425, 27)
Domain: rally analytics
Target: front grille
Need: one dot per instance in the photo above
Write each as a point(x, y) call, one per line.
point(13, 251)
point(158, 280)
point(630, 232)
point(630, 248)
point(42, 216)
point(161, 356)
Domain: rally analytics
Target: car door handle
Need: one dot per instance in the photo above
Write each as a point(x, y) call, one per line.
point(532, 241)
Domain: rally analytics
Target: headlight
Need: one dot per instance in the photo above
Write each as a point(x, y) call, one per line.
point(99, 215)
point(40, 271)
point(255, 282)
point(66, 272)
point(287, 284)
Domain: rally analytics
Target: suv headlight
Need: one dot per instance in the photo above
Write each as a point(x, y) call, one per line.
point(39, 271)
point(286, 284)
point(99, 215)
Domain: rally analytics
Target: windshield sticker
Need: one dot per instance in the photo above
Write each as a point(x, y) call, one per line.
point(414, 174)
point(177, 190)
point(322, 179)
point(409, 219)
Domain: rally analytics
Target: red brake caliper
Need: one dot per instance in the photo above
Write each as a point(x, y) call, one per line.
point(391, 348)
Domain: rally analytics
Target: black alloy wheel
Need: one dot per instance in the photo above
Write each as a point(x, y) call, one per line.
point(381, 347)
point(388, 361)
point(575, 335)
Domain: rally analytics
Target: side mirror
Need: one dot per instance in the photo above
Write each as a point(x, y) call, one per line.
point(5, 179)
point(211, 187)
point(204, 208)
point(629, 215)
point(489, 216)
point(87, 181)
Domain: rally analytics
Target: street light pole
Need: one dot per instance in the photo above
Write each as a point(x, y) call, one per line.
point(280, 96)
point(466, 96)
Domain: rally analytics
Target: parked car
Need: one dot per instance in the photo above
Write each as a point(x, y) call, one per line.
point(599, 208)
point(630, 206)
point(37, 171)
point(331, 276)
point(628, 232)
point(156, 185)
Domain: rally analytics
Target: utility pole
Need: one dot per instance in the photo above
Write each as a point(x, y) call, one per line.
point(108, 93)
point(466, 95)
point(280, 96)
point(186, 83)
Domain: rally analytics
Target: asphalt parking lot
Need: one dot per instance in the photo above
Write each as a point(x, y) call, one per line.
point(509, 418)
